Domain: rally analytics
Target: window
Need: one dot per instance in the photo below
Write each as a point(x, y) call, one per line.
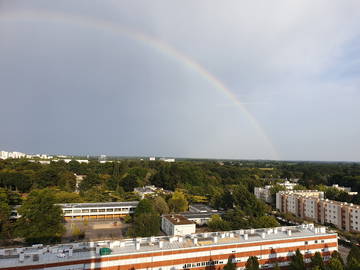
point(85, 210)
point(68, 211)
point(101, 210)
point(110, 210)
point(93, 210)
point(306, 242)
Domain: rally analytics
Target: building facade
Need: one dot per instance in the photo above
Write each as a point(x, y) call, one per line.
point(177, 225)
point(196, 251)
point(311, 205)
point(110, 210)
point(264, 193)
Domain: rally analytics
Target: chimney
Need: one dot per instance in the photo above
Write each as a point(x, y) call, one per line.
point(263, 235)
point(289, 232)
point(161, 244)
point(215, 238)
point(21, 257)
point(246, 236)
point(97, 250)
point(70, 252)
point(137, 245)
point(195, 240)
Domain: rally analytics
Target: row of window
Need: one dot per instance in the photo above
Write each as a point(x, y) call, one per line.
point(199, 264)
point(99, 210)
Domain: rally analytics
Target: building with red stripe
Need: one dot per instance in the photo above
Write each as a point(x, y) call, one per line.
point(195, 251)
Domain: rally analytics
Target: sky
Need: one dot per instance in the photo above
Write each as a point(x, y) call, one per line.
point(202, 79)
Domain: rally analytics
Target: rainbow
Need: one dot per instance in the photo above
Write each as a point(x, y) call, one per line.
point(154, 43)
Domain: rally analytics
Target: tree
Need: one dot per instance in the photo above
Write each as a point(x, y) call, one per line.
point(41, 221)
point(297, 261)
point(230, 264)
point(216, 223)
point(160, 205)
point(276, 267)
point(265, 222)
point(353, 258)
point(89, 181)
point(252, 263)
point(5, 211)
point(145, 206)
point(317, 260)
point(146, 224)
point(178, 202)
point(335, 264)
point(129, 182)
point(336, 255)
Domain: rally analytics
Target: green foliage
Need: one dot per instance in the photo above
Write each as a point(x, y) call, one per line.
point(145, 225)
point(178, 203)
point(145, 206)
point(336, 255)
point(317, 261)
point(252, 263)
point(41, 221)
point(5, 225)
point(276, 267)
point(160, 205)
point(230, 265)
point(297, 261)
point(353, 258)
point(90, 181)
point(216, 223)
point(265, 222)
point(335, 264)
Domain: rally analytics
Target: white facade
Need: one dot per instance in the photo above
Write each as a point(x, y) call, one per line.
point(197, 251)
point(177, 225)
point(264, 193)
point(312, 205)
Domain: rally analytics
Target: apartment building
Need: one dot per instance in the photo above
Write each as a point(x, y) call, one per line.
point(264, 193)
point(195, 251)
point(311, 205)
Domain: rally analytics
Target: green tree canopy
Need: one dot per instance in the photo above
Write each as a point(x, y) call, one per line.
point(297, 261)
point(317, 260)
point(216, 223)
point(160, 205)
point(230, 265)
point(41, 221)
point(145, 206)
point(335, 264)
point(252, 263)
point(178, 203)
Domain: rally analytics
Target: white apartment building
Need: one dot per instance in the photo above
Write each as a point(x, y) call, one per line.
point(264, 193)
point(310, 204)
point(345, 189)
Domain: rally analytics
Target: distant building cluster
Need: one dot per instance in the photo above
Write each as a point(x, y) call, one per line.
point(345, 189)
point(264, 193)
point(150, 191)
point(6, 155)
point(162, 159)
point(310, 204)
point(185, 223)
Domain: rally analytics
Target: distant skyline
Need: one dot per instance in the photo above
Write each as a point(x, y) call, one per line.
point(230, 80)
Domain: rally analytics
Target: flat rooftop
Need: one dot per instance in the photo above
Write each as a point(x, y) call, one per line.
point(94, 205)
point(178, 219)
point(86, 250)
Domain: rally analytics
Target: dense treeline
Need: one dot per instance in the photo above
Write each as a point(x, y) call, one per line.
point(224, 185)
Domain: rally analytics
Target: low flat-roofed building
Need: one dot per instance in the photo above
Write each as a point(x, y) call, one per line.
point(108, 210)
point(177, 225)
point(201, 208)
point(196, 251)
